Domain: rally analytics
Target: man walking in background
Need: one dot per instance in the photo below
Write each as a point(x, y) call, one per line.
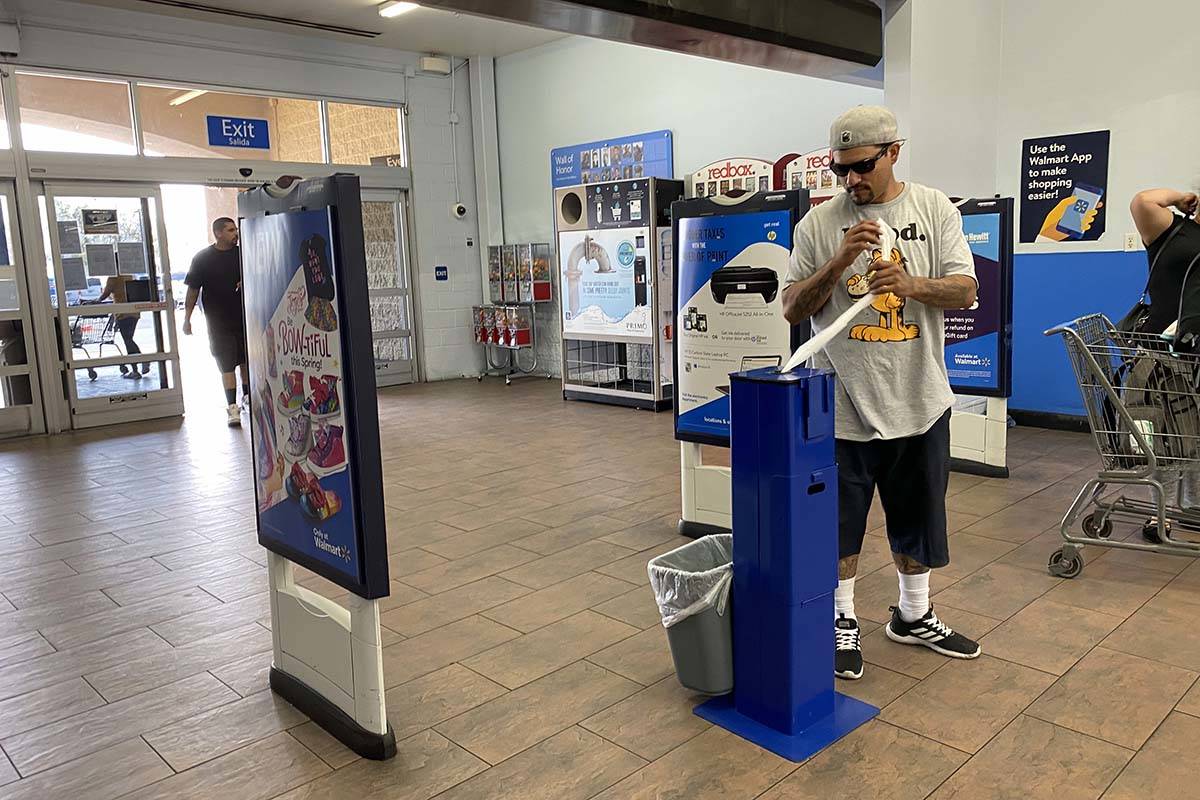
point(893, 395)
point(215, 279)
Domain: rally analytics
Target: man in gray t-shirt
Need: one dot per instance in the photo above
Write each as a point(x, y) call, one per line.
point(893, 396)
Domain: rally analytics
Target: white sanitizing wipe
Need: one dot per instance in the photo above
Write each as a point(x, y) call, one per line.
point(818, 342)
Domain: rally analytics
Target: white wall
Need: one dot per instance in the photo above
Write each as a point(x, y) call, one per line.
point(576, 90)
point(114, 41)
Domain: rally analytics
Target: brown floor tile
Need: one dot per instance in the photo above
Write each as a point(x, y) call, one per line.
point(1114, 696)
point(877, 686)
point(82, 630)
point(422, 703)
point(966, 703)
point(199, 625)
point(149, 672)
point(246, 676)
point(987, 498)
point(1163, 630)
point(645, 658)
point(68, 739)
point(437, 610)
point(466, 544)
point(193, 741)
point(1165, 767)
point(652, 722)
point(105, 775)
point(43, 706)
point(1110, 587)
point(875, 761)
point(431, 651)
point(997, 590)
point(1036, 760)
point(8, 773)
point(22, 647)
point(969, 553)
point(1049, 636)
point(536, 610)
point(64, 665)
point(549, 570)
point(919, 662)
point(533, 655)
point(633, 568)
point(636, 608)
point(453, 574)
point(568, 512)
point(425, 765)
point(572, 765)
point(507, 725)
point(646, 534)
point(548, 542)
point(403, 536)
point(411, 561)
point(1016, 525)
point(327, 748)
point(714, 765)
point(1190, 704)
point(236, 587)
point(178, 580)
point(262, 770)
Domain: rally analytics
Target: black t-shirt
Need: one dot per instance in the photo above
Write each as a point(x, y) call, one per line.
point(1166, 283)
point(218, 276)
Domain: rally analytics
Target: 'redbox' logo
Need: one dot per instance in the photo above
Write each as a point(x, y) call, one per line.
point(729, 170)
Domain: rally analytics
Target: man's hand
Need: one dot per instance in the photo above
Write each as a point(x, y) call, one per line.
point(1188, 204)
point(857, 240)
point(891, 277)
point(187, 327)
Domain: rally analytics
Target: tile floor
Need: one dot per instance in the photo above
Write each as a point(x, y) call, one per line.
point(524, 656)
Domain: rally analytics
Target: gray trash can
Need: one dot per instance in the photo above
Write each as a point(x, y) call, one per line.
point(692, 585)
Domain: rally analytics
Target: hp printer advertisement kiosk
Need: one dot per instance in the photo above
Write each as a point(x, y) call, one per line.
point(315, 432)
point(731, 257)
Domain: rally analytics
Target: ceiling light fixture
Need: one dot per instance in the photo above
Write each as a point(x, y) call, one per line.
point(186, 96)
point(394, 8)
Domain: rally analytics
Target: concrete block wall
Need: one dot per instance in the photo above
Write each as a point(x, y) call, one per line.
point(448, 350)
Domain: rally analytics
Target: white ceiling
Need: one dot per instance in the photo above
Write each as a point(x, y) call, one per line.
point(424, 30)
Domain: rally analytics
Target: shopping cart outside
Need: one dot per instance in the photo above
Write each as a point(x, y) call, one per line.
point(1143, 407)
point(94, 330)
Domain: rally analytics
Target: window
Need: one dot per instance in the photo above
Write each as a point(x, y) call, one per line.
point(359, 133)
point(75, 115)
point(177, 121)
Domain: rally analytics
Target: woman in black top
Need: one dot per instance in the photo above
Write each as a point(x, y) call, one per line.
point(1178, 237)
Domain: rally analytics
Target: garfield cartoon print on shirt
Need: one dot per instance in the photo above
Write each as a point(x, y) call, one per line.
point(891, 327)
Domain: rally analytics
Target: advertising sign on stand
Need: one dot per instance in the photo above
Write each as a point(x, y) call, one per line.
point(1063, 181)
point(730, 264)
point(602, 292)
point(979, 339)
point(316, 457)
point(810, 172)
point(644, 155)
point(731, 174)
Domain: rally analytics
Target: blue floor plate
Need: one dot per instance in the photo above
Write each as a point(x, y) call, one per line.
point(848, 714)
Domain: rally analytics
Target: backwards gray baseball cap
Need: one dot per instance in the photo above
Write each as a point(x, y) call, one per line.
point(863, 125)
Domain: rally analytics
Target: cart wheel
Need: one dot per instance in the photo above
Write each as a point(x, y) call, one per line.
point(1150, 532)
point(1063, 567)
point(1097, 530)
point(479, 378)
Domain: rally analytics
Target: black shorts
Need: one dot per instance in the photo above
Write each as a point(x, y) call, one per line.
point(228, 348)
point(912, 475)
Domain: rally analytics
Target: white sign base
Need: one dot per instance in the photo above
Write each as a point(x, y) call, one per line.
point(979, 436)
point(329, 662)
point(707, 494)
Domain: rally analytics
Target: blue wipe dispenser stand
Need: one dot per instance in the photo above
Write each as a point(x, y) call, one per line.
point(785, 554)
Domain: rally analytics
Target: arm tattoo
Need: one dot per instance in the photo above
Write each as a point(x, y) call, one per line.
point(803, 299)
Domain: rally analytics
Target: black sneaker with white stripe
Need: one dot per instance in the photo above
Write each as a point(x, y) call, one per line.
point(847, 649)
point(931, 632)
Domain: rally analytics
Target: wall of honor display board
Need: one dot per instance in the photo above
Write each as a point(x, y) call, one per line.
point(643, 155)
point(318, 479)
point(730, 265)
point(979, 339)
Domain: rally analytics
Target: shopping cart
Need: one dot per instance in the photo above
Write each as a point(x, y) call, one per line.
point(1143, 406)
point(94, 330)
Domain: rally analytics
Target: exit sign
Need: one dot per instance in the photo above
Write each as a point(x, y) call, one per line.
point(238, 132)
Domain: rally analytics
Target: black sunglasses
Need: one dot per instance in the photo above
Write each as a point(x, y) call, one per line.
point(860, 167)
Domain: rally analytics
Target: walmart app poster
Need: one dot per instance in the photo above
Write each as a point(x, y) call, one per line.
point(301, 436)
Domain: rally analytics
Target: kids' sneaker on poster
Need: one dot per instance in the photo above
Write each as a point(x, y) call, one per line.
point(323, 401)
point(315, 503)
point(327, 453)
point(299, 436)
point(292, 396)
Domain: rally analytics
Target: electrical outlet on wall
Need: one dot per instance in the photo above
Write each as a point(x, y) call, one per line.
point(1132, 242)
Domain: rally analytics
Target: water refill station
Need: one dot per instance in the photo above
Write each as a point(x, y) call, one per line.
point(785, 522)
point(315, 430)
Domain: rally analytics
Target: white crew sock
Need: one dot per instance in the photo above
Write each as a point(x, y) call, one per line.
point(843, 599)
point(914, 596)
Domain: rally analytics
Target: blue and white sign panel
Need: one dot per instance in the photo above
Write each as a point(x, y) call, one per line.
point(241, 132)
point(644, 155)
